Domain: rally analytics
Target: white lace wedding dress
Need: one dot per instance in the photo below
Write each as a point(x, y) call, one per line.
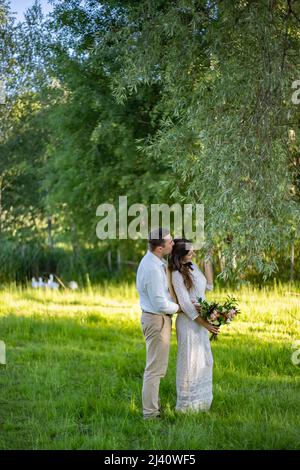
point(194, 356)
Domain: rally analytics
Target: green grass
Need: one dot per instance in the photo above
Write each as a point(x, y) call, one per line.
point(75, 363)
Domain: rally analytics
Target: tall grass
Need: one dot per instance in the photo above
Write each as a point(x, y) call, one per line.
point(75, 362)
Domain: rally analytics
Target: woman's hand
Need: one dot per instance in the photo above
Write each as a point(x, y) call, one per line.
point(212, 328)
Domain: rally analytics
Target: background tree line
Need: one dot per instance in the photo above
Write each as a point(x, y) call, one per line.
point(162, 101)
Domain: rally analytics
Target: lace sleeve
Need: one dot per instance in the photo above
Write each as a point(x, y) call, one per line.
point(183, 296)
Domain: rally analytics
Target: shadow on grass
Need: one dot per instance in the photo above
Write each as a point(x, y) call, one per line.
point(95, 334)
point(59, 370)
point(73, 303)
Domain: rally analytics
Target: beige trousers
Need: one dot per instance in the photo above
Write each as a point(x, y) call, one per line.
point(157, 332)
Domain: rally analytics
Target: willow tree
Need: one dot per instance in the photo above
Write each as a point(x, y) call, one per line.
point(92, 153)
point(225, 72)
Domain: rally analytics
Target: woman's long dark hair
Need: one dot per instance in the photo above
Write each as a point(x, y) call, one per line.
point(175, 261)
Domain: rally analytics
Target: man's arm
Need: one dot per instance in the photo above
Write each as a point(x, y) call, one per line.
point(157, 295)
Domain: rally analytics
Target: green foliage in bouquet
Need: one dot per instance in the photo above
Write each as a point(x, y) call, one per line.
point(218, 314)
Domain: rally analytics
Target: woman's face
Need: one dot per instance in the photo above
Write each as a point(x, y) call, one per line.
point(189, 256)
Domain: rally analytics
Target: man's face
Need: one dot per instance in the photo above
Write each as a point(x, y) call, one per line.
point(169, 243)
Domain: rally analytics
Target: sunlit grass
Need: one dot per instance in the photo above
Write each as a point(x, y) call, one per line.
point(75, 362)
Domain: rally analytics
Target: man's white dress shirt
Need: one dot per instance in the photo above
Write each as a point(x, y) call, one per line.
point(152, 285)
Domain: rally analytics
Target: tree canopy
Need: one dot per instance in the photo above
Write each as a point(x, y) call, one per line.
point(166, 101)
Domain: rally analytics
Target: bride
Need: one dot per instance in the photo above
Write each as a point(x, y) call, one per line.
point(194, 356)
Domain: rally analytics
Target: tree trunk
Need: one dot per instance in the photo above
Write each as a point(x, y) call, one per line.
point(221, 261)
point(1, 190)
point(292, 262)
point(109, 259)
point(119, 261)
point(74, 241)
point(234, 264)
point(49, 230)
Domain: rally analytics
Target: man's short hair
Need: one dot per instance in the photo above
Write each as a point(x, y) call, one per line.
point(156, 237)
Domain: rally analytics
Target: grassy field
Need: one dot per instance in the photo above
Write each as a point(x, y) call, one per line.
point(75, 363)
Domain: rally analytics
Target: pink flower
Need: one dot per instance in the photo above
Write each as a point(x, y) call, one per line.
point(231, 313)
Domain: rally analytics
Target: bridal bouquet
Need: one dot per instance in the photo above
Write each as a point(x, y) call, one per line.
point(218, 314)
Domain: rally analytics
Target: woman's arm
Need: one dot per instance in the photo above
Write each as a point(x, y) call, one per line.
point(183, 296)
point(187, 305)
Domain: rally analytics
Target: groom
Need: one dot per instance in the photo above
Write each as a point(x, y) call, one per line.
point(156, 321)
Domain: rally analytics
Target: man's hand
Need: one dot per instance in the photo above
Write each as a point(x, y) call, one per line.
point(179, 310)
